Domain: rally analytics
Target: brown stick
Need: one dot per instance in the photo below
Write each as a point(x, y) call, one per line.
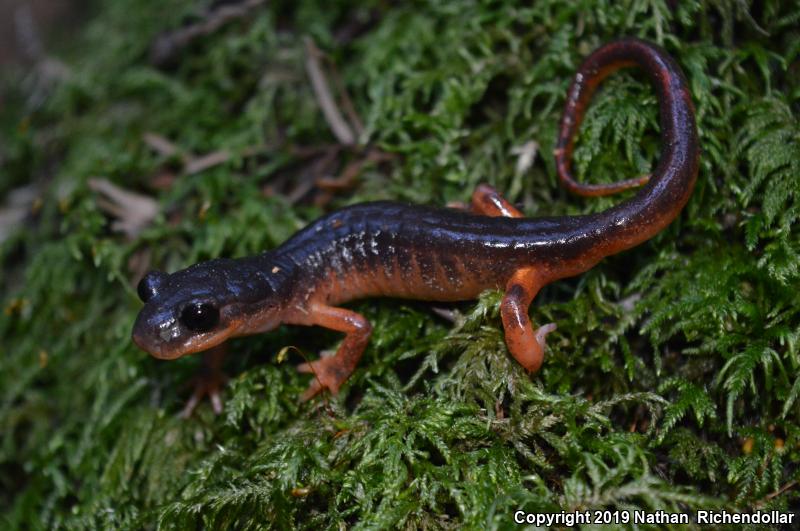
point(340, 128)
point(166, 47)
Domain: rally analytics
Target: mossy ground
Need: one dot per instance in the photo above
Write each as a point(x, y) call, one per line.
point(671, 383)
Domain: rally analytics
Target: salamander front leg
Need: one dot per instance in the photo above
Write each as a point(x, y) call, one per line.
point(525, 344)
point(209, 381)
point(332, 371)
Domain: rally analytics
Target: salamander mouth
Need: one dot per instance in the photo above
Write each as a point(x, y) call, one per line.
point(155, 348)
point(170, 350)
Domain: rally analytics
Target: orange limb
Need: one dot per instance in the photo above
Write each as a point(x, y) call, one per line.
point(526, 345)
point(332, 371)
point(488, 201)
point(209, 381)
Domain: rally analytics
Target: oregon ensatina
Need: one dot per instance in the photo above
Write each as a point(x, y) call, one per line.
point(420, 252)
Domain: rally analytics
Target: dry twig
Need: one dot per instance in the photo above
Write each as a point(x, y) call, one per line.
point(133, 212)
point(167, 46)
point(339, 126)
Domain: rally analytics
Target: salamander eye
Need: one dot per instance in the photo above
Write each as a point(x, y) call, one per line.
point(200, 316)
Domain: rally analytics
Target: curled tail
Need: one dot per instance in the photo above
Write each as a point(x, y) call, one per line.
point(668, 188)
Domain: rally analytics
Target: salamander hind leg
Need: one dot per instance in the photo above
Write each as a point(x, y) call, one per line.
point(332, 371)
point(526, 345)
point(488, 201)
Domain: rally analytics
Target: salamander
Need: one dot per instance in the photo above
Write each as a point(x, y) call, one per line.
point(434, 254)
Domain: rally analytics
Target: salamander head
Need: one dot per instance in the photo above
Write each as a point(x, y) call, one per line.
point(200, 307)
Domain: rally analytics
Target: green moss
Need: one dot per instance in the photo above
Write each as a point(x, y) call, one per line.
point(672, 382)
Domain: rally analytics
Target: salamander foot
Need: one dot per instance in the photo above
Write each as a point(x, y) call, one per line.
point(541, 335)
point(206, 384)
point(328, 373)
point(209, 381)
